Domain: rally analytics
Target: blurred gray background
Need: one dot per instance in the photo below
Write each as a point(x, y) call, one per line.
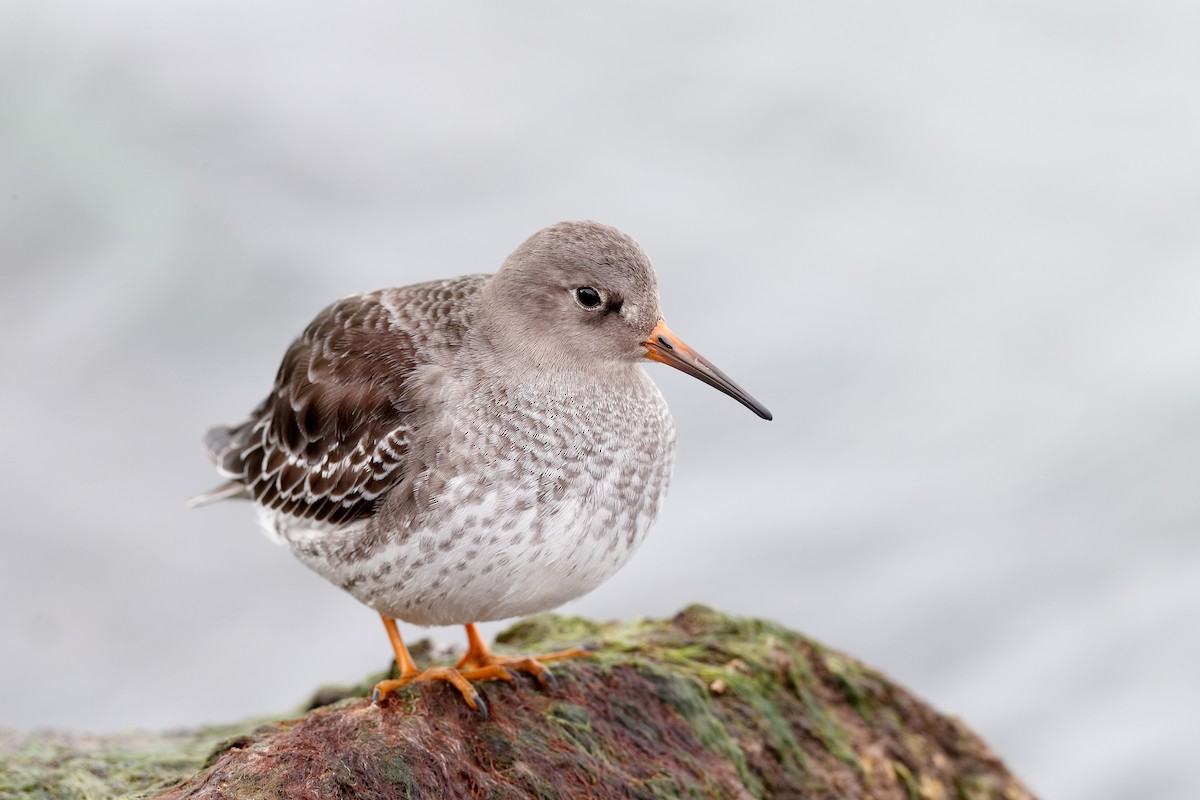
point(954, 247)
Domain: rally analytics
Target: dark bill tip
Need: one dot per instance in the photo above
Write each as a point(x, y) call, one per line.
point(665, 347)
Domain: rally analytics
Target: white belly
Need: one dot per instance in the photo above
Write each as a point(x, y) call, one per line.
point(474, 567)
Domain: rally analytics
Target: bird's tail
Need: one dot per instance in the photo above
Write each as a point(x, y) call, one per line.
point(222, 492)
point(223, 445)
point(220, 440)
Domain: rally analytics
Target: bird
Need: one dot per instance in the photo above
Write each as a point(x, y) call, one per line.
point(475, 448)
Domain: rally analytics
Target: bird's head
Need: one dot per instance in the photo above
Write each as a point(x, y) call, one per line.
point(583, 294)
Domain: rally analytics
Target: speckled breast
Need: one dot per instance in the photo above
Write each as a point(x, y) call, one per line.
point(526, 500)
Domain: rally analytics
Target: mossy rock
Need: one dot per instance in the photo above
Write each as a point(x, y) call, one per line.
point(702, 705)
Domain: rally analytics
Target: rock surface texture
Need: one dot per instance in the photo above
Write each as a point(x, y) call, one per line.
point(702, 705)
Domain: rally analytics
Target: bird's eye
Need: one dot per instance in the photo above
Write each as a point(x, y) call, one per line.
point(587, 297)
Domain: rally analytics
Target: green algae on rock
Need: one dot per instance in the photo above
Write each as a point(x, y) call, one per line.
point(702, 705)
point(48, 765)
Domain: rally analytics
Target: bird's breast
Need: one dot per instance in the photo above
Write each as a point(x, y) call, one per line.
point(528, 500)
point(575, 457)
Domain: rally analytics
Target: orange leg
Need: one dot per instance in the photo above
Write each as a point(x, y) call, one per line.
point(409, 673)
point(481, 663)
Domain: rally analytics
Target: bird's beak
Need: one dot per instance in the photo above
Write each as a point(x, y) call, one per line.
point(667, 348)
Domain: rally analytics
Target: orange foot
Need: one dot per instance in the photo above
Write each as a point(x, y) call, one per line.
point(459, 680)
point(479, 663)
point(486, 664)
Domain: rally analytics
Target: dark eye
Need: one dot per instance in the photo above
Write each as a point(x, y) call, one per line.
point(587, 297)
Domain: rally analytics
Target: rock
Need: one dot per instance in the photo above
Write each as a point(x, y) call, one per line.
point(702, 705)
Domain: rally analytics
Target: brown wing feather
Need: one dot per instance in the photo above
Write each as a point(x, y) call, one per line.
point(333, 436)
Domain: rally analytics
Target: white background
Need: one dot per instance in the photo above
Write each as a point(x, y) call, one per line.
point(954, 247)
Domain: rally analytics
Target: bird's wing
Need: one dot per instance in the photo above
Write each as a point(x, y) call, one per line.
point(333, 435)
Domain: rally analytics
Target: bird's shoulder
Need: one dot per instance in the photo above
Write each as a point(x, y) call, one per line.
point(361, 336)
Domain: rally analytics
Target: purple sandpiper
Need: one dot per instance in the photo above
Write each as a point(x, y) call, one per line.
point(475, 448)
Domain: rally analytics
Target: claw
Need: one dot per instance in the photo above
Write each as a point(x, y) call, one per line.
point(481, 707)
